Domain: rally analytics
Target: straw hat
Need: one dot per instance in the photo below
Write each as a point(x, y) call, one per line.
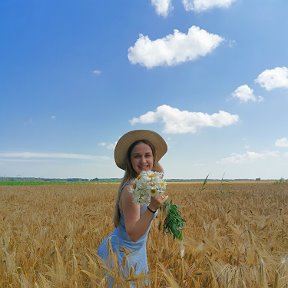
point(129, 138)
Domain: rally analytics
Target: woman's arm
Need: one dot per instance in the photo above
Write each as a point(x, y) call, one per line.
point(136, 225)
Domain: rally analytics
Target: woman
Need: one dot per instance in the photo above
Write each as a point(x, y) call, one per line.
point(136, 151)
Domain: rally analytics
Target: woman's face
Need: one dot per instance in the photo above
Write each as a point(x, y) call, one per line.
point(142, 158)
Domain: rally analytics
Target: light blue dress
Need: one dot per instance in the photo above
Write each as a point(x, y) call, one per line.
point(136, 257)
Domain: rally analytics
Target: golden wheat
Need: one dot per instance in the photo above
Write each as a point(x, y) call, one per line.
point(236, 235)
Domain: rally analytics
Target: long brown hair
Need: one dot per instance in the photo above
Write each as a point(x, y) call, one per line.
point(130, 174)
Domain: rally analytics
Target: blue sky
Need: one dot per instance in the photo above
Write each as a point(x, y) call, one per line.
point(211, 76)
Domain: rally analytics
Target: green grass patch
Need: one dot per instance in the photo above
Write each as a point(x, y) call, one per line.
point(29, 183)
point(17, 182)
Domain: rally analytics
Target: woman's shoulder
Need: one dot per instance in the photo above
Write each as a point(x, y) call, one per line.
point(127, 185)
point(126, 188)
point(126, 194)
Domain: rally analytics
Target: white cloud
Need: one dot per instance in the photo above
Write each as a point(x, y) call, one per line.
point(282, 142)
point(163, 7)
point(244, 93)
point(232, 43)
point(273, 78)
point(37, 155)
point(180, 122)
point(109, 146)
point(174, 48)
point(97, 72)
point(56, 165)
point(202, 5)
point(248, 156)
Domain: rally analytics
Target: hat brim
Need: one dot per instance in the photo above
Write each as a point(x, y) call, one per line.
point(129, 138)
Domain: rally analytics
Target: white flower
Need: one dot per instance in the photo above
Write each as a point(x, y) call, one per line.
point(148, 184)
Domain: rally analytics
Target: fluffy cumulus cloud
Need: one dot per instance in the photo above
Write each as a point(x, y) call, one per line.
point(245, 94)
point(162, 7)
point(180, 122)
point(281, 142)
point(202, 5)
point(248, 156)
point(273, 78)
point(174, 48)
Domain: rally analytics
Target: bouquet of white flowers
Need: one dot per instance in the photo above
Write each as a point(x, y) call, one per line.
point(150, 184)
point(147, 184)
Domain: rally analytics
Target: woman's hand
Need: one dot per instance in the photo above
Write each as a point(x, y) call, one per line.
point(136, 224)
point(157, 201)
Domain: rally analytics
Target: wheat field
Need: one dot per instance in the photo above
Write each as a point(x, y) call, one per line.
point(236, 235)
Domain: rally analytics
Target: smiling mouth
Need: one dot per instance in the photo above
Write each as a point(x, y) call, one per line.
point(144, 167)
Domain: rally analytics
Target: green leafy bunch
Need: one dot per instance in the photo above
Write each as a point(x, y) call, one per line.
point(173, 222)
